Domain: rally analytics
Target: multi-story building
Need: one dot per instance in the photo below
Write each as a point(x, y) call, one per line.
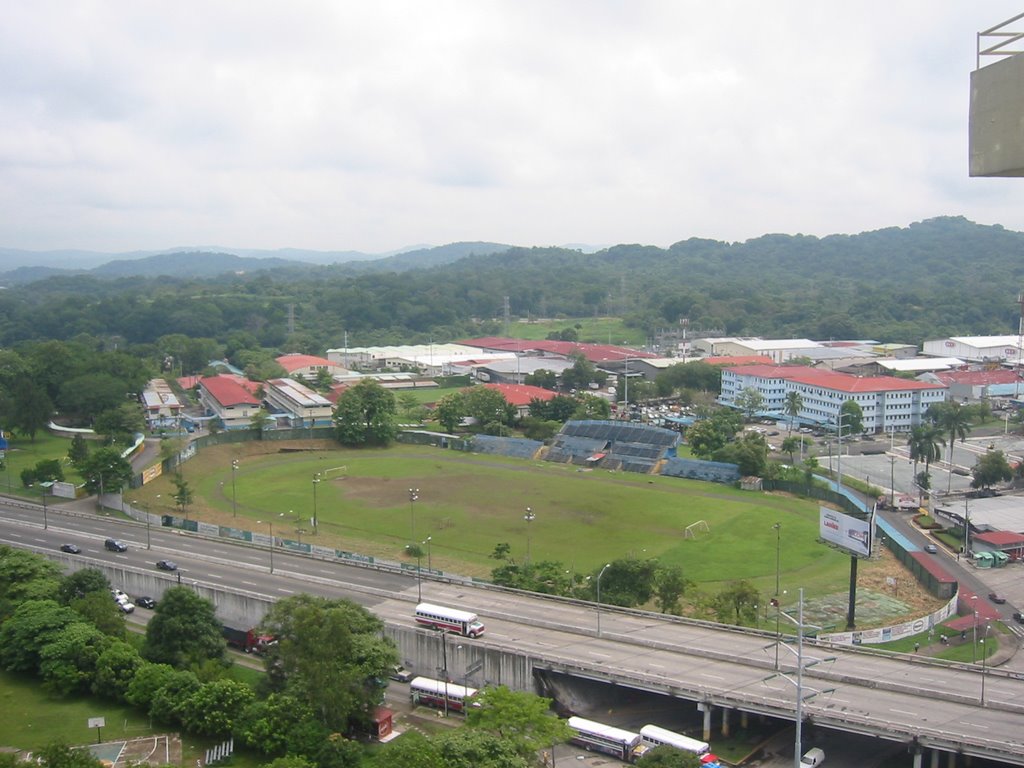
point(886, 402)
point(293, 404)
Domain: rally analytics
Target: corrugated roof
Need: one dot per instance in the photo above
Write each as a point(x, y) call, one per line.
point(226, 391)
point(840, 382)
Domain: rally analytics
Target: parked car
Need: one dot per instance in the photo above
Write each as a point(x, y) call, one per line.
point(119, 596)
point(126, 607)
point(401, 674)
point(115, 545)
point(931, 549)
point(71, 549)
point(995, 597)
point(145, 602)
point(166, 565)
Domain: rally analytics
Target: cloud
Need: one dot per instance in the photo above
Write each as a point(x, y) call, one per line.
point(370, 126)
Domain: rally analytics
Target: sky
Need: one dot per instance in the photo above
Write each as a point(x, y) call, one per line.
point(376, 126)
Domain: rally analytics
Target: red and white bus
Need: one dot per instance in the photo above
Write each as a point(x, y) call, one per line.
point(654, 736)
point(432, 693)
point(449, 619)
point(625, 745)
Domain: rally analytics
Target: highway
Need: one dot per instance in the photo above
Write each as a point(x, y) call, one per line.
point(848, 689)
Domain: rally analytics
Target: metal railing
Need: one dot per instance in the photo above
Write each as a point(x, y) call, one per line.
point(997, 39)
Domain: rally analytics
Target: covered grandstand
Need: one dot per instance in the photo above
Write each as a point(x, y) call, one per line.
point(613, 445)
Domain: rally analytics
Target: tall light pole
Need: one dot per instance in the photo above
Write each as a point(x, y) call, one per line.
point(609, 565)
point(414, 495)
point(145, 511)
point(839, 457)
point(44, 487)
point(529, 517)
point(234, 496)
point(316, 482)
point(419, 571)
point(270, 524)
point(775, 600)
point(444, 667)
point(430, 566)
point(983, 655)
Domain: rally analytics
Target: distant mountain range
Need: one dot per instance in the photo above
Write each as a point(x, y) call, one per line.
point(18, 267)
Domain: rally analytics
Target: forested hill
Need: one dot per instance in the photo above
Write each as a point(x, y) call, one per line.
point(938, 277)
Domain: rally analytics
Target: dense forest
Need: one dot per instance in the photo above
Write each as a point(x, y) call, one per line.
point(943, 276)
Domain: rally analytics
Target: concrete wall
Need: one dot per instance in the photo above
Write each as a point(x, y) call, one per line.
point(997, 119)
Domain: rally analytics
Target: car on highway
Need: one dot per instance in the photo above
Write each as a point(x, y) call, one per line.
point(145, 602)
point(166, 565)
point(1018, 617)
point(71, 549)
point(931, 549)
point(995, 597)
point(115, 545)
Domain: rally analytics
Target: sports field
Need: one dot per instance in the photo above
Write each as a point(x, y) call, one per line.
point(468, 503)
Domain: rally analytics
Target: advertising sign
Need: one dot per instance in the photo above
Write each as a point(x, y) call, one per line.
point(845, 532)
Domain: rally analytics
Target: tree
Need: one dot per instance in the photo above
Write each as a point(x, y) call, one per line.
point(105, 469)
point(184, 630)
point(77, 585)
point(582, 374)
point(260, 422)
point(411, 750)
point(489, 408)
point(450, 409)
point(148, 680)
point(28, 408)
point(794, 402)
point(523, 719)
point(25, 576)
point(212, 708)
point(116, 668)
point(78, 451)
point(120, 424)
point(267, 724)
point(592, 407)
point(170, 702)
point(366, 415)
point(67, 663)
point(750, 402)
point(32, 626)
point(628, 582)
point(90, 394)
point(470, 748)
point(954, 420)
point(559, 408)
point(329, 653)
point(791, 444)
point(737, 604)
point(992, 467)
point(60, 755)
point(670, 584)
point(98, 609)
point(705, 437)
point(924, 443)
point(542, 378)
point(666, 756)
point(182, 492)
point(851, 418)
point(749, 453)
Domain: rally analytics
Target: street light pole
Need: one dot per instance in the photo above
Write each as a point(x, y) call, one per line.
point(316, 482)
point(270, 524)
point(983, 655)
point(444, 667)
point(529, 517)
point(609, 565)
point(234, 496)
point(45, 524)
point(775, 600)
point(414, 495)
point(430, 565)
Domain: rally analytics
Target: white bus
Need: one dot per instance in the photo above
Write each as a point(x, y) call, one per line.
point(625, 745)
point(449, 619)
point(653, 736)
point(432, 693)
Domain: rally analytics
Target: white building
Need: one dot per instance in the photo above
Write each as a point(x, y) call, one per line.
point(430, 359)
point(297, 405)
point(978, 349)
point(887, 403)
point(779, 350)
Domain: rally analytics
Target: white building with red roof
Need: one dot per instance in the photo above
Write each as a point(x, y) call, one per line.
point(230, 402)
point(887, 403)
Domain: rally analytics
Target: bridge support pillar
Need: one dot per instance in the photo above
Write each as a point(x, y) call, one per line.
point(707, 722)
point(952, 760)
point(917, 758)
point(935, 758)
point(725, 721)
point(744, 719)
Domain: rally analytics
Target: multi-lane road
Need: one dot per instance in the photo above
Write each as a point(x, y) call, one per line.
point(949, 707)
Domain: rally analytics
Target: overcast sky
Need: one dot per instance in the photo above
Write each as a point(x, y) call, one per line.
point(372, 126)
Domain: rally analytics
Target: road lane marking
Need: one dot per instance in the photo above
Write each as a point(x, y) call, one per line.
point(904, 712)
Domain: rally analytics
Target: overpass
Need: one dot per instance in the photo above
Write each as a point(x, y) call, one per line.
point(729, 673)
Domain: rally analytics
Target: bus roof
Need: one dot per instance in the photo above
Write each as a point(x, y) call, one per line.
point(675, 739)
point(452, 613)
point(438, 686)
point(600, 729)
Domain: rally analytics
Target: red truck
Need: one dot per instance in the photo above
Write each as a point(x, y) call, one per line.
point(248, 640)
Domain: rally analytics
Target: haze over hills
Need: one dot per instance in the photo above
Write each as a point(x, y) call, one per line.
point(30, 266)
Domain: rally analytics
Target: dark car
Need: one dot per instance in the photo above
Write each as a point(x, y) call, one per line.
point(166, 565)
point(1018, 617)
point(71, 549)
point(996, 598)
point(115, 545)
point(145, 602)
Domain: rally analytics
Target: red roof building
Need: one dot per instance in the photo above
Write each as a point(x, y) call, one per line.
point(520, 395)
point(308, 366)
point(224, 397)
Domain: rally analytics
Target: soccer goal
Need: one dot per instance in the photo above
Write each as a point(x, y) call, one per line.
point(694, 530)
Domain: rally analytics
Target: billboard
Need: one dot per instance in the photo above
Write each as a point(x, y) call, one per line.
point(846, 532)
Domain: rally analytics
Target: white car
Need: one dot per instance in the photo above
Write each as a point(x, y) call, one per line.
point(126, 606)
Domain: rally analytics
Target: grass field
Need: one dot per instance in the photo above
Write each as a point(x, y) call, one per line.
point(469, 503)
